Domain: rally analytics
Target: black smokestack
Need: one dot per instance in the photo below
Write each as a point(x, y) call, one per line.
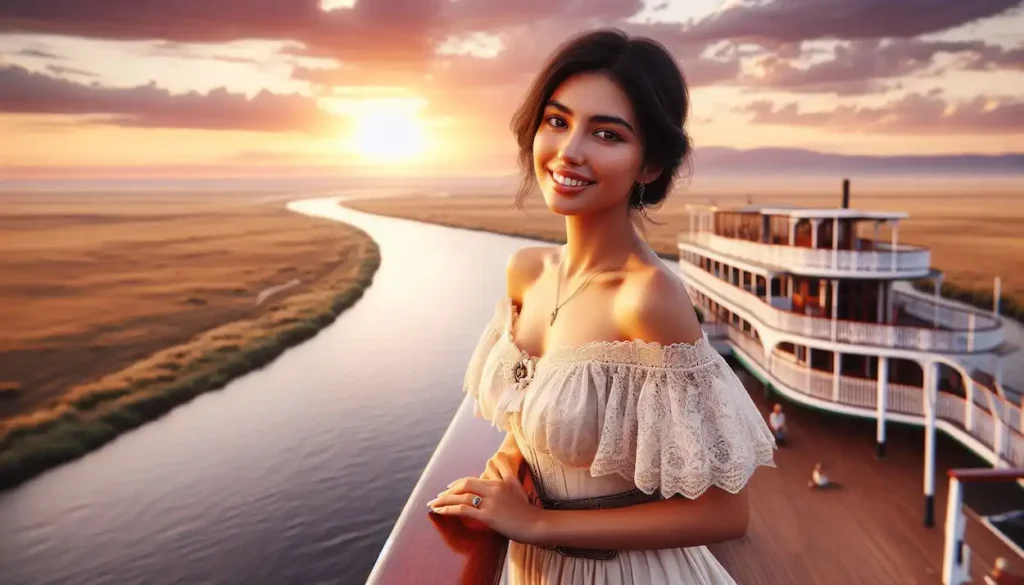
point(846, 193)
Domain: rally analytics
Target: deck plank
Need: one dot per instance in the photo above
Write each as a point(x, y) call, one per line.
point(870, 529)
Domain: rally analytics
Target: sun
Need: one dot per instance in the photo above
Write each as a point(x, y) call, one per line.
point(388, 134)
point(382, 130)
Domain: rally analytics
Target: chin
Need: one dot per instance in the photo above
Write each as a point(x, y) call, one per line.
point(563, 205)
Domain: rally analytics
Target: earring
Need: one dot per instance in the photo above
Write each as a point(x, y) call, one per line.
point(640, 194)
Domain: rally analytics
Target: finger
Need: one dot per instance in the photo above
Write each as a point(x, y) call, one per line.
point(463, 511)
point(504, 469)
point(450, 499)
point(473, 485)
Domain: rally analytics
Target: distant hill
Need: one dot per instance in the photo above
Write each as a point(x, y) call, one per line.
point(769, 161)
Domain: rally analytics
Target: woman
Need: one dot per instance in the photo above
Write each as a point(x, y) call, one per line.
point(638, 435)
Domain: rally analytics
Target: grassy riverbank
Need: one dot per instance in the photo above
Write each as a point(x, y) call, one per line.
point(971, 238)
point(159, 294)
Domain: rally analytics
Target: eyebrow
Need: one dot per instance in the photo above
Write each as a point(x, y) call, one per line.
point(606, 118)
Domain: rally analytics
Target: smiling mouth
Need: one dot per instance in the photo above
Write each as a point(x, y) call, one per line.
point(567, 182)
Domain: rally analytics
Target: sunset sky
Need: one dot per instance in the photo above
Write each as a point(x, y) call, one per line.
point(403, 86)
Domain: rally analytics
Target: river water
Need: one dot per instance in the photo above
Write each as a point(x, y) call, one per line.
point(293, 474)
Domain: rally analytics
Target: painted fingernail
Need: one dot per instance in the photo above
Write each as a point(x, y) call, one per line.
point(450, 485)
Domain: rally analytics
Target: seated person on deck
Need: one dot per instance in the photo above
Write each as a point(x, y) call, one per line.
point(777, 422)
point(818, 477)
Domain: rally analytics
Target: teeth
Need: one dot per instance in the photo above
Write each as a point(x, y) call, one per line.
point(569, 182)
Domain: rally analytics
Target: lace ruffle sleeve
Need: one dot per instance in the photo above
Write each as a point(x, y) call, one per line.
point(675, 418)
point(475, 370)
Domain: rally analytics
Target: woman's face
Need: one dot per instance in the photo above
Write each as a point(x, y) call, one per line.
point(587, 153)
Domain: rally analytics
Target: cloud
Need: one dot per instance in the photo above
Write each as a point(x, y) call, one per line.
point(398, 27)
point(798, 20)
point(186, 51)
point(913, 114)
point(23, 91)
point(489, 15)
point(986, 57)
point(36, 53)
point(62, 71)
point(860, 66)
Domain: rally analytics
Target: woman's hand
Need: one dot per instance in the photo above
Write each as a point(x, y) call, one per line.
point(503, 507)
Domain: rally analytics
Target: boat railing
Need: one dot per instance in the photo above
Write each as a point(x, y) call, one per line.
point(971, 544)
point(853, 332)
point(428, 549)
point(996, 425)
point(942, 311)
point(875, 258)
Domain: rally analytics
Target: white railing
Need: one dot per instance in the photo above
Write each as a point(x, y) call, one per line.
point(946, 313)
point(881, 258)
point(853, 332)
point(994, 427)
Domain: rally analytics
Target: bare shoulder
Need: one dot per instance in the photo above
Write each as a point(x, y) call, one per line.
point(656, 307)
point(524, 267)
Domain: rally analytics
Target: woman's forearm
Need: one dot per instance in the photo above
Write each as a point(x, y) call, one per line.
point(714, 517)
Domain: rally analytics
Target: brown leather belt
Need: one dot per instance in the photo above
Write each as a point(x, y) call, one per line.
point(622, 500)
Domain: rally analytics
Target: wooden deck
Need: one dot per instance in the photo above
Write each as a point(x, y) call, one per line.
point(869, 529)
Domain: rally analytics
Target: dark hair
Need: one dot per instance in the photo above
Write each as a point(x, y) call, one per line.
point(652, 81)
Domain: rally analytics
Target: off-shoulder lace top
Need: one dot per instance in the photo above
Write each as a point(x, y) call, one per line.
point(673, 418)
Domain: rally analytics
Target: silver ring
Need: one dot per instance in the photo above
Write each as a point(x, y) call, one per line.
point(476, 501)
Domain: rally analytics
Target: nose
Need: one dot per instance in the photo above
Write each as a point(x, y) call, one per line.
point(571, 151)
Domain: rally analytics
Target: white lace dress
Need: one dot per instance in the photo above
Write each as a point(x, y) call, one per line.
point(606, 418)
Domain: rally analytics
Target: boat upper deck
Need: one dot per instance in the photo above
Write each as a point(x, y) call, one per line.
point(822, 241)
point(867, 529)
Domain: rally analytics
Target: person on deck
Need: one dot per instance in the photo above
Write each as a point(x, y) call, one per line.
point(818, 477)
point(777, 422)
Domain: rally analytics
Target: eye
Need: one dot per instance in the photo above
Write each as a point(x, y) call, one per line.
point(556, 121)
point(607, 135)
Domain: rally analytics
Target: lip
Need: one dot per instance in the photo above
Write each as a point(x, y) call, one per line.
point(566, 190)
point(571, 175)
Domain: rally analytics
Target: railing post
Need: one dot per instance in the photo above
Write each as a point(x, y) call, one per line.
point(837, 359)
point(835, 308)
point(955, 554)
point(969, 415)
point(880, 403)
point(998, 432)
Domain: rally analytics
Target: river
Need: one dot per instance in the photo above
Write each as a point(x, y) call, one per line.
point(293, 473)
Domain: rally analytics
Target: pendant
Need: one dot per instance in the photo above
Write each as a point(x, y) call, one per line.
point(553, 315)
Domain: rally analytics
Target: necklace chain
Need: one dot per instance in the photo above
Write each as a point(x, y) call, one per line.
point(558, 290)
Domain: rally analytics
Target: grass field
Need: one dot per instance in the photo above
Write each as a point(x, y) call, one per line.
point(117, 307)
point(973, 237)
